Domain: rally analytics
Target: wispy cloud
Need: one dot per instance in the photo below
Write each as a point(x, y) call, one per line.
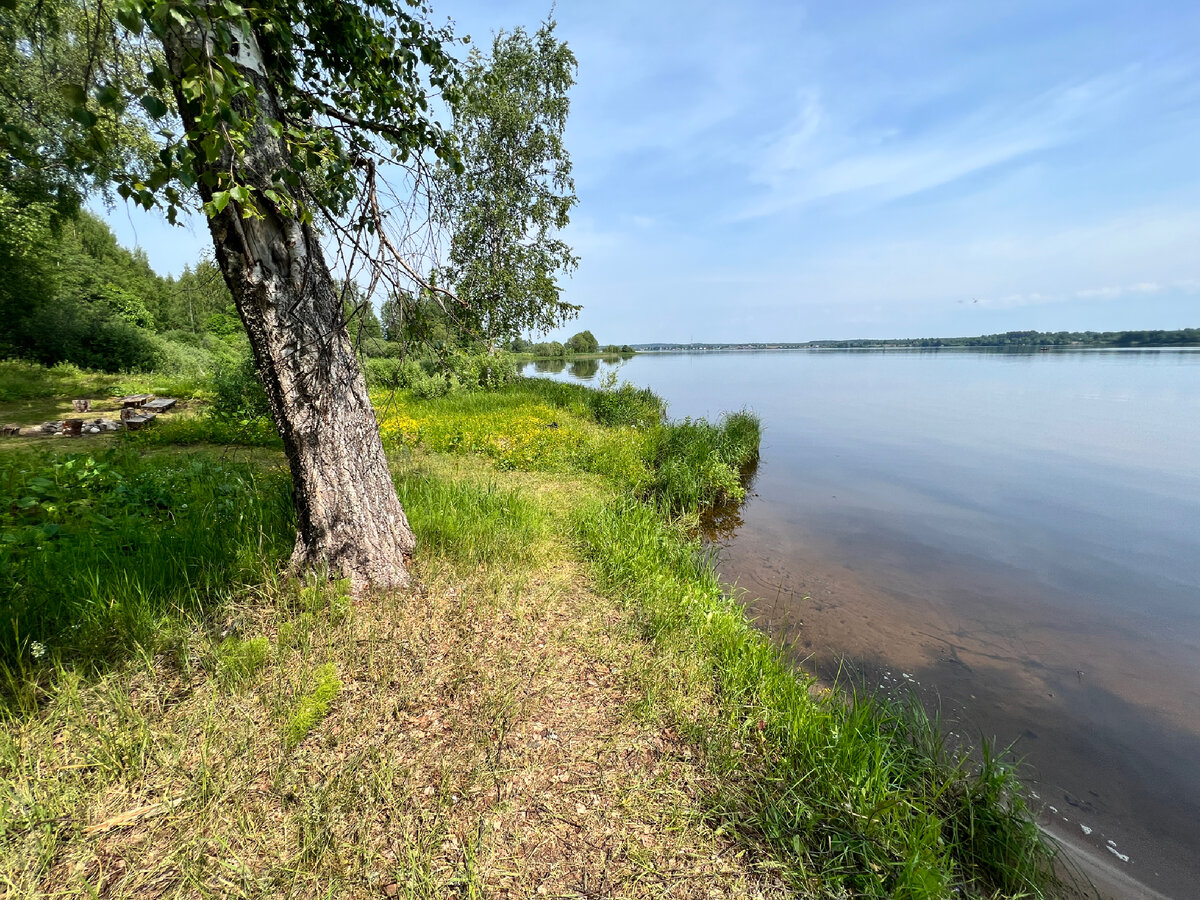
point(820, 155)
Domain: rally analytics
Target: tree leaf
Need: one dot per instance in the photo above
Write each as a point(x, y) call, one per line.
point(157, 79)
point(159, 177)
point(130, 18)
point(108, 96)
point(154, 107)
point(84, 116)
point(73, 93)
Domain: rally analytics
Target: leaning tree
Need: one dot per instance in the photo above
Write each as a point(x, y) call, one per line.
point(286, 122)
point(287, 109)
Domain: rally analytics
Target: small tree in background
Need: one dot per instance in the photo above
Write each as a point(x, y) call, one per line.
point(503, 214)
point(583, 342)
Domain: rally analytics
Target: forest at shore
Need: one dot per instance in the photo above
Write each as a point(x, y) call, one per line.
point(1183, 337)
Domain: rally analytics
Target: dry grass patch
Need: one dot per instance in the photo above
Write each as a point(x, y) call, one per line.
point(489, 735)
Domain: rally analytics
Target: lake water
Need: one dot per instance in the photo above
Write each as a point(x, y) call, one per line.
point(1014, 536)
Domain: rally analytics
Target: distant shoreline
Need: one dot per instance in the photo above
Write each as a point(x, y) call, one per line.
point(1009, 340)
point(1029, 348)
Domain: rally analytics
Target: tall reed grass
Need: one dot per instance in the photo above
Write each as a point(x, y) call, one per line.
point(698, 464)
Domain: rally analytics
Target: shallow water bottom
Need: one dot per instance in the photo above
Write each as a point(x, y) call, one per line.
point(1107, 753)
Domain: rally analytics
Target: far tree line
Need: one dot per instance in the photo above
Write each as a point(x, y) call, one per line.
point(582, 343)
point(1013, 339)
point(1144, 338)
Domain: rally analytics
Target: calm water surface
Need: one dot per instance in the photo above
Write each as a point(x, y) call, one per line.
point(1014, 536)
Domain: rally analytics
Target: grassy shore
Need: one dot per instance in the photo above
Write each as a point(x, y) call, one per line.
point(569, 704)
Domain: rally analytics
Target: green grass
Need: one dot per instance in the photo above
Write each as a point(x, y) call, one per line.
point(313, 706)
point(240, 660)
point(857, 797)
point(540, 425)
point(20, 380)
point(471, 524)
point(97, 548)
point(698, 464)
point(184, 430)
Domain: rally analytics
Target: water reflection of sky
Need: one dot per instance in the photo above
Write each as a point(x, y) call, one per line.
point(1099, 439)
point(1081, 468)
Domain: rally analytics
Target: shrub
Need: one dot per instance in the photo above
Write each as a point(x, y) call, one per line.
point(482, 370)
point(626, 405)
point(189, 353)
point(698, 464)
point(239, 395)
point(430, 378)
point(88, 335)
point(391, 373)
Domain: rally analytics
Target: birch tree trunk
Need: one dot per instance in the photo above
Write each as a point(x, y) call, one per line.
point(349, 517)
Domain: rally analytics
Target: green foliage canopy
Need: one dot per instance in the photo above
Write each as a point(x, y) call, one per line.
point(352, 81)
point(583, 342)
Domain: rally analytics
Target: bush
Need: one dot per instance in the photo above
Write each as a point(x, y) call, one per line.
point(482, 370)
point(390, 373)
point(87, 335)
point(431, 378)
point(626, 405)
point(698, 464)
point(239, 393)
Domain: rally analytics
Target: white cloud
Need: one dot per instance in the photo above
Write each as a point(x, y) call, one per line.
point(821, 155)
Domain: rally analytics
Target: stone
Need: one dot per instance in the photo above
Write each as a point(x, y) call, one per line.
point(81, 405)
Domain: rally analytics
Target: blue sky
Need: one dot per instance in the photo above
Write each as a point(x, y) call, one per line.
point(786, 171)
